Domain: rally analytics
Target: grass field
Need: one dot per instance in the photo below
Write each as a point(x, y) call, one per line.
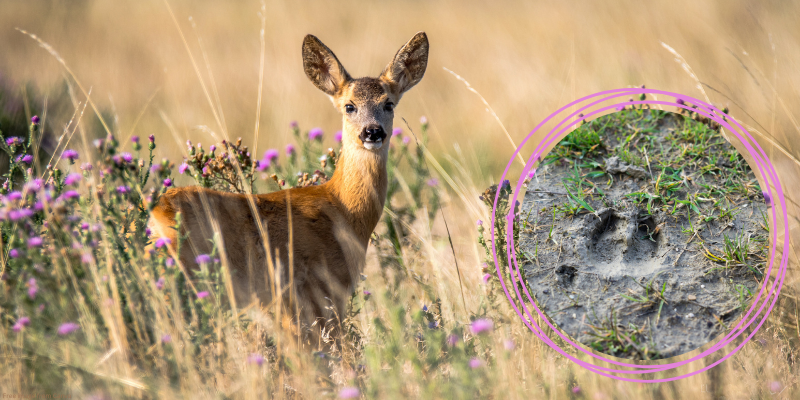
point(102, 325)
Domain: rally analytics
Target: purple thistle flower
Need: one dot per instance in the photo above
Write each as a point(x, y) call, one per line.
point(13, 253)
point(271, 155)
point(70, 194)
point(289, 150)
point(509, 344)
point(775, 387)
point(170, 262)
point(86, 166)
point(67, 328)
point(23, 213)
point(155, 168)
point(182, 168)
point(166, 338)
point(293, 125)
point(423, 120)
point(35, 242)
point(338, 136)
point(86, 258)
point(315, 134)
point(486, 278)
point(349, 392)
point(26, 158)
point(33, 288)
point(70, 154)
point(13, 196)
point(167, 182)
point(21, 323)
point(620, 108)
point(72, 179)
point(203, 259)
point(397, 132)
point(123, 189)
point(263, 165)
point(152, 138)
point(257, 359)
point(481, 325)
point(35, 119)
point(13, 141)
point(160, 283)
point(163, 242)
point(576, 389)
point(34, 185)
point(212, 148)
point(206, 171)
point(680, 101)
point(475, 363)
point(202, 295)
point(433, 182)
point(135, 139)
point(452, 340)
point(767, 198)
point(406, 139)
point(127, 157)
point(480, 222)
point(367, 293)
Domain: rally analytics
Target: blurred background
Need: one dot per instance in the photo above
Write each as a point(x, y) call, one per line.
point(183, 69)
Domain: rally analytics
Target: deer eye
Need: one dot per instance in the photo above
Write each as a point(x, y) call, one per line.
point(349, 108)
point(389, 106)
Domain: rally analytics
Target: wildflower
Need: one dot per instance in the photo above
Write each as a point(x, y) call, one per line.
point(775, 386)
point(86, 166)
point(202, 295)
point(26, 158)
point(72, 179)
point(424, 308)
point(33, 288)
point(262, 165)
point(13, 253)
point(123, 189)
point(203, 259)
point(289, 150)
point(349, 392)
point(151, 138)
point(166, 338)
point(23, 213)
point(35, 119)
point(34, 185)
point(367, 293)
point(315, 134)
point(70, 154)
point(486, 278)
point(135, 139)
point(257, 359)
point(481, 325)
point(86, 258)
point(160, 283)
point(423, 120)
point(509, 344)
point(406, 139)
point(680, 101)
point(34, 242)
point(338, 136)
point(22, 322)
point(170, 262)
point(480, 223)
point(433, 182)
point(271, 155)
point(127, 157)
point(293, 125)
point(67, 328)
point(163, 242)
point(182, 168)
point(620, 108)
point(475, 363)
point(212, 148)
point(13, 141)
point(167, 182)
point(397, 132)
point(767, 198)
point(206, 171)
point(155, 168)
point(452, 340)
point(576, 389)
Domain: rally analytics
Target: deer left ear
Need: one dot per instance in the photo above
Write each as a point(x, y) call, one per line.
point(408, 65)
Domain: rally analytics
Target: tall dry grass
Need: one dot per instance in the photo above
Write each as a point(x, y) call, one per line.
point(525, 59)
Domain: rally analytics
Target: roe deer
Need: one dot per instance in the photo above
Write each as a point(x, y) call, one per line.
point(330, 223)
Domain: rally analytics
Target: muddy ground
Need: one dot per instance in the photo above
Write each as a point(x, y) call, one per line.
point(644, 234)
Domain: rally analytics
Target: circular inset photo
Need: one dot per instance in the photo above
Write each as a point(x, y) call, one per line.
point(644, 233)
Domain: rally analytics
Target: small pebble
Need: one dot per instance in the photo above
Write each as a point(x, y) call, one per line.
point(692, 297)
point(571, 297)
point(703, 286)
point(574, 316)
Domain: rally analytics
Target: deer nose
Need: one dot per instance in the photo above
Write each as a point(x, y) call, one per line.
point(373, 133)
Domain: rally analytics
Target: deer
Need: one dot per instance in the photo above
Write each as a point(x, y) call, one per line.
point(305, 247)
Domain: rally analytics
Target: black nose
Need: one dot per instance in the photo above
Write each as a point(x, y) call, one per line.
point(373, 133)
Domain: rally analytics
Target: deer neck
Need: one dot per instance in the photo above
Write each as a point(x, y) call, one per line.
point(360, 184)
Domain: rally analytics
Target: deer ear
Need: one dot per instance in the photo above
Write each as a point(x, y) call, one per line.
point(322, 67)
point(408, 65)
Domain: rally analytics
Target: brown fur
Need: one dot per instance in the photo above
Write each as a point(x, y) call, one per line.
point(331, 223)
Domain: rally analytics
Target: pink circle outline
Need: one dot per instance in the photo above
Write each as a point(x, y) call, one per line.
point(516, 275)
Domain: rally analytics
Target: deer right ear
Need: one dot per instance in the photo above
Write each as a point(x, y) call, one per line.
point(322, 67)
